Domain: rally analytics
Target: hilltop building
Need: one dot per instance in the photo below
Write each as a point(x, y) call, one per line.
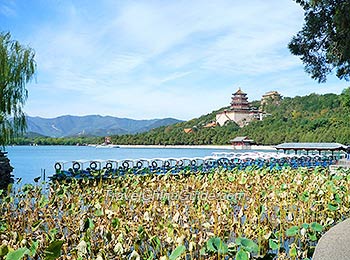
point(240, 111)
point(239, 101)
point(271, 97)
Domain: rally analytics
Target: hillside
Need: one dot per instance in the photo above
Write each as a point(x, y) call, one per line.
point(93, 125)
point(312, 118)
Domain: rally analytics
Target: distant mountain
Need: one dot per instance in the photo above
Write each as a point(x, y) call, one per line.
point(93, 125)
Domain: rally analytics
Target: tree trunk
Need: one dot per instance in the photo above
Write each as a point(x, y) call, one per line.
point(5, 171)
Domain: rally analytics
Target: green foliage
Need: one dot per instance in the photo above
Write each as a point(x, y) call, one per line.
point(316, 227)
point(311, 118)
point(345, 98)
point(3, 250)
point(217, 246)
point(293, 231)
point(17, 254)
point(43, 140)
point(242, 255)
point(17, 67)
point(248, 245)
point(175, 135)
point(263, 221)
point(177, 252)
point(273, 244)
point(53, 251)
point(324, 41)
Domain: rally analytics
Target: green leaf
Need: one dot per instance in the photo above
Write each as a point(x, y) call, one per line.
point(316, 227)
point(305, 196)
point(115, 223)
point(216, 245)
point(243, 180)
point(4, 250)
point(151, 255)
point(337, 198)
point(36, 224)
point(43, 201)
point(242, 255)
point(313, 237)
point(156, 242)
point(222, 248)
point(177, 252)
point(98, 213)
point(211, 246)
point(17, 254)
point(202, 251)
point(273, 245)
point(53, 251)
point(293, 231)
point(249, 245)
point(33, 248)
point(88, 224)
point(332, 206)
point(293, 252)
point(305, 225)
point(140, 230)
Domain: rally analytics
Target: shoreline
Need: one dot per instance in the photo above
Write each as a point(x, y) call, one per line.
point(225, 147)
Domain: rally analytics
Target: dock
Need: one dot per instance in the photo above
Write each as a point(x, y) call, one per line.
point(255, 160)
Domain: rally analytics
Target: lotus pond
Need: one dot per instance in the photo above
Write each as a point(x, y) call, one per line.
point(220, 214)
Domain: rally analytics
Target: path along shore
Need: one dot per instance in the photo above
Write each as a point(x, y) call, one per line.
point(334, 244)
point(226, 147)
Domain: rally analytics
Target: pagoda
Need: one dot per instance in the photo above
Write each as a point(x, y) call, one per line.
point(240, 110)
point(239, 101)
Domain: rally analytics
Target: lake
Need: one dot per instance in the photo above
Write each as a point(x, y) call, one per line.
point(31, 161)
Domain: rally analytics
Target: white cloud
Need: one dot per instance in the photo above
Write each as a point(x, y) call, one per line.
point(8, 8)
point(145, 59)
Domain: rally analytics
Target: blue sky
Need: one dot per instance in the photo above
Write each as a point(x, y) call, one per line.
point(155, 59)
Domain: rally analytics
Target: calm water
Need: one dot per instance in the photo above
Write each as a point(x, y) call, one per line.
point(30, 161)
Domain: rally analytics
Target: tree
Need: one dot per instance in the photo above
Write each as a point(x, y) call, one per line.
point(324, 41)
point(345, 98)
point(17, 67)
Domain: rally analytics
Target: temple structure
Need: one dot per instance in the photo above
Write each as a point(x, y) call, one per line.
point(240, 111)
point(240, 101)
point(271, 97)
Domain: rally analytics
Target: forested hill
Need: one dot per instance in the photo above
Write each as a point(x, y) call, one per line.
point(312, 118)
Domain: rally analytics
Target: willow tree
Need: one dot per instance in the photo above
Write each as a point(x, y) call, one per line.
point(17, 68)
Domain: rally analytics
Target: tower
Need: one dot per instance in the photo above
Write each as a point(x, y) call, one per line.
point(239, 101)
